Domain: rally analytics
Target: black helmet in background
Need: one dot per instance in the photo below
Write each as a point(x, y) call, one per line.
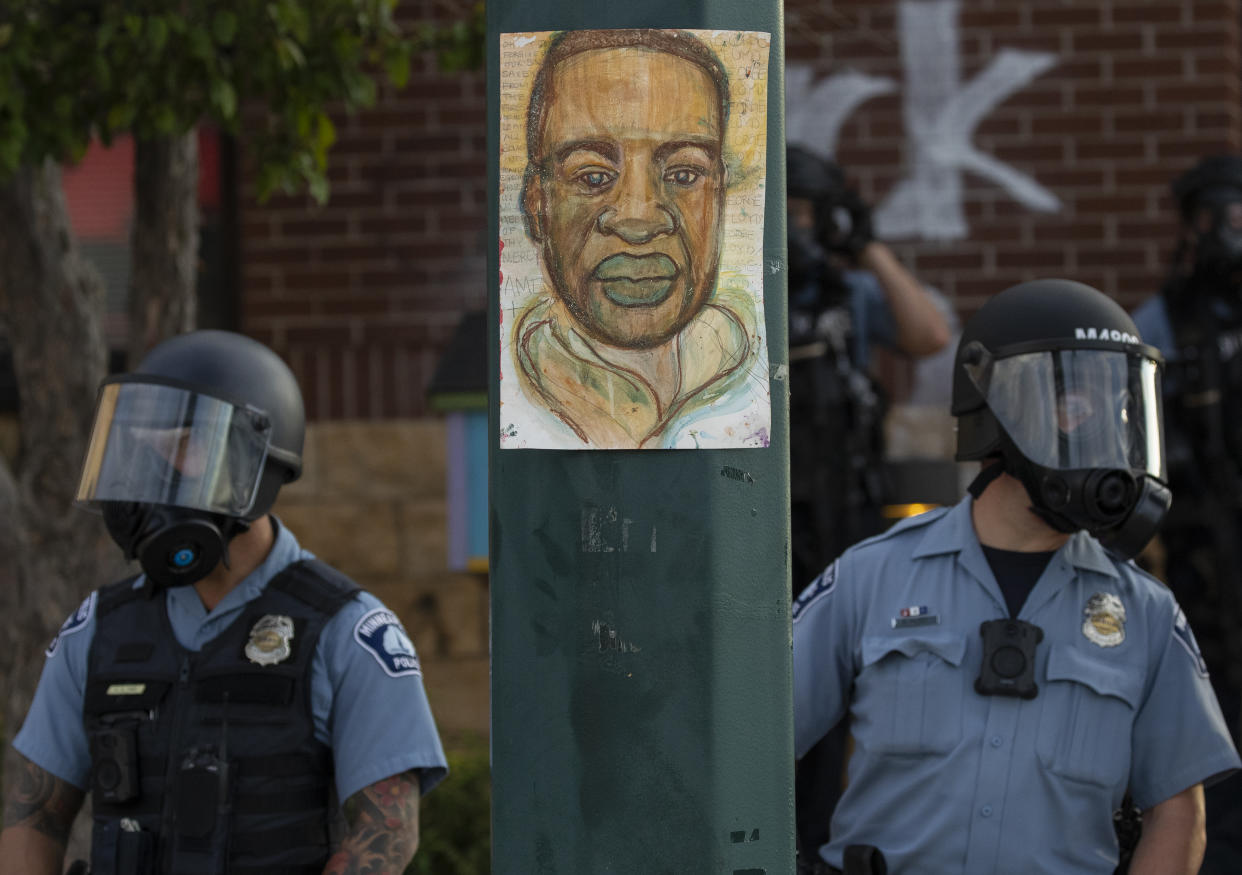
point(842, 219)
point(1209, 199)
point(1052, 378)
point(828, 227)
point(812, 176)
point(190, 448)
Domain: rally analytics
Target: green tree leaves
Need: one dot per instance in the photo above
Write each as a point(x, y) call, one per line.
point(70, 71)
point(460, 45)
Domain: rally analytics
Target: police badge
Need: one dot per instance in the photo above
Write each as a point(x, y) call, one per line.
point(1106, 620)
point(270, 640)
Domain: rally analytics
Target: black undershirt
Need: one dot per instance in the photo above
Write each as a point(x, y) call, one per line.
point(1017, 573)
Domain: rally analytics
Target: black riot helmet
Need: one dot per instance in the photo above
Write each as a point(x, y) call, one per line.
point(190, 448)
point(812, 176)
point(840, 227)
point(1209, 199)
point(1052, 378)
point(842, 219)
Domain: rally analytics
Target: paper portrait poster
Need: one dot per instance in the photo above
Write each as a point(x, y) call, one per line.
point(632, 185)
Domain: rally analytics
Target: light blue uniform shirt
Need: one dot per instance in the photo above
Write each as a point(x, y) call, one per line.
point(1152, 320)
point(872, 319)
point(943, 779)
point(377, 725)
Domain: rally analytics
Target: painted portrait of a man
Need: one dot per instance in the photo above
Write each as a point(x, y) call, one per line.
point(634, 337)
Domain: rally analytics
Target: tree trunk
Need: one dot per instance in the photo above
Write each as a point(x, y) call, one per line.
point(52, 306)
point(51, 309)
point(164, 253)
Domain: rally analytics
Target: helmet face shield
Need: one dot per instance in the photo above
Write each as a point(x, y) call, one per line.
point(1077, 408)
point(161, 444)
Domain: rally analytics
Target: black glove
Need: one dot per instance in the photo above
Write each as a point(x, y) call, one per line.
point(849, 226)
point(814, 866)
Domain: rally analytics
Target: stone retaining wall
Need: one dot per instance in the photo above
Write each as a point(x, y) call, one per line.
point(371, 502)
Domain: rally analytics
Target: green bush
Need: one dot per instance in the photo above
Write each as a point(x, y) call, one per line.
point(455, 818)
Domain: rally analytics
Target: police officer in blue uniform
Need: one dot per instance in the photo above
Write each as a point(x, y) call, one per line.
point(1196, 322)
point(221, 705)
point(1009, 673)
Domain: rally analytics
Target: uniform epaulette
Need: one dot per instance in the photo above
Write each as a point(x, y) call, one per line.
point(116, 594)
point(914, 522)
point(317, 584)
point(1138, 572)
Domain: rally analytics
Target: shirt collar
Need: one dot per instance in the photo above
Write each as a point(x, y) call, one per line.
point(285, 550)
point(954, 532)
point(1085, 553)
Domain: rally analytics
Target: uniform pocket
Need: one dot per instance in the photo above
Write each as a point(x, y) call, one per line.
point(1086, 716)
point(908, 696)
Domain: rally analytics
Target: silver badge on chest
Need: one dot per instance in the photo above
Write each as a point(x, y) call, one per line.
point(1106, 620)
point(270, 640)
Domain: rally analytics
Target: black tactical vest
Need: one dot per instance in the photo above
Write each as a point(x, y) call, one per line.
point(836, 442)
point(207, 762)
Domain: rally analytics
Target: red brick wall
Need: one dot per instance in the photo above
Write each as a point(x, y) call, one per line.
point(1137, 92)
point(362, 295)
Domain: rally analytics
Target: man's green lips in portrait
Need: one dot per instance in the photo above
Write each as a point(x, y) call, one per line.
point(636, 280)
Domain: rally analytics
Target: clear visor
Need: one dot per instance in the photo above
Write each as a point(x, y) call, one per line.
point(159, 444)
point(1078, 408)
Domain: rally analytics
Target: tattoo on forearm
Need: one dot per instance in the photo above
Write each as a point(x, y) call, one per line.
point(383, 828)
point(41, 801)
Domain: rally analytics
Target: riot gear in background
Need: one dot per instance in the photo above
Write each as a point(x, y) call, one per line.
point(847, 291)
point(1209, 255)
point(836, 409)
point(836, 421)
point(1199, 316)
point(1203, 301)
point(1052, 380)
point(190, 448)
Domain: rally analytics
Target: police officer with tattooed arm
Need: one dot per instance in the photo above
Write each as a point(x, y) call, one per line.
point(1010, 674)
point(218, 705)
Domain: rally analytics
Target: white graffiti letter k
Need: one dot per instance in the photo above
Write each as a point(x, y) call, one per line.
point(941, 115)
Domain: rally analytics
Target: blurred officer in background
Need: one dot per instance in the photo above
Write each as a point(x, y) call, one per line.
point(1008, 672)
point(218, 705)
point(1196, 321)
point(847, 291)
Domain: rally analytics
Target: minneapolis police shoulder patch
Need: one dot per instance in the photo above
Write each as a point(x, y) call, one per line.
point(820, 587)
point(74, 623)
point(380, 632)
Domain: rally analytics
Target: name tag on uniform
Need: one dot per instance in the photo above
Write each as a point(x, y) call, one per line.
point(915, 615)
point(126, 689)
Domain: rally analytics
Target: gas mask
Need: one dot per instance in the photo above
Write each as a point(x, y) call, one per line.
point(808, 264)
point(174, 546)
point(815, 284)
point(1081, 429)
point(1216, 223)
point(174, 474)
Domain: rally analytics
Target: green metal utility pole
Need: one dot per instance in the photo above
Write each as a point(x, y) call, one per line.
point(641, 694)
